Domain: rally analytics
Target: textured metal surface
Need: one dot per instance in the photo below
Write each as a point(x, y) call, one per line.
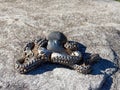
point(55, 51)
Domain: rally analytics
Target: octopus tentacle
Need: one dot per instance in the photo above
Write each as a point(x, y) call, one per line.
point(65, 59)
point(31, 58)
point(70, 61)
point(42, 42)
point(31, 64)
point(93, 59)
point(19, 66)
point(71, 45)
point(42, 50)
point(85, 69)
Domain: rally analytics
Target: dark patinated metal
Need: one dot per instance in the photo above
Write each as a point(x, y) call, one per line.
point(56, 49)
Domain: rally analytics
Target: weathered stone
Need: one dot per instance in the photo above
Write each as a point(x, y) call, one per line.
point(93, 23)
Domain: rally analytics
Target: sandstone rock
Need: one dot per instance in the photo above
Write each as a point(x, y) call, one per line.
point(93, 23)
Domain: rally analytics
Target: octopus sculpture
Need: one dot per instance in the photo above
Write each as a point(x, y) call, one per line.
point(55, 48)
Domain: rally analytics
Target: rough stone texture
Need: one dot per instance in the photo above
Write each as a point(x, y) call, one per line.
point(93, 23)
point(116, 80)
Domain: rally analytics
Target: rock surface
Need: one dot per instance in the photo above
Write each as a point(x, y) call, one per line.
point(93, 23)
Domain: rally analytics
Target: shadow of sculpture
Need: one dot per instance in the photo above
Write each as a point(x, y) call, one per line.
point(104, 66)
point(45, 67)
point(107, 84)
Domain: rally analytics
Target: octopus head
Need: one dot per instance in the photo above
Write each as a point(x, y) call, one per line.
point(56, 41)
point(56, 35)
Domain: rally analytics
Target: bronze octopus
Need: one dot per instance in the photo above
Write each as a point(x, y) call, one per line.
point(55, 48)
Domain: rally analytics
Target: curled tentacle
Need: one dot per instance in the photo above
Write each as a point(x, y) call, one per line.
point(66, 59)
point(71, 61)
point(44, 53)
point(27, 49)
point(93, 59)
point(85, 69)
point(71, 46)
point(26, 66)
point(42, 42)
point(31, 57)
point(31, 48)
point(19, 66)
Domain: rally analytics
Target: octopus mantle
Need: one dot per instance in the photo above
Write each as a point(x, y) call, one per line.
point(54, 48)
